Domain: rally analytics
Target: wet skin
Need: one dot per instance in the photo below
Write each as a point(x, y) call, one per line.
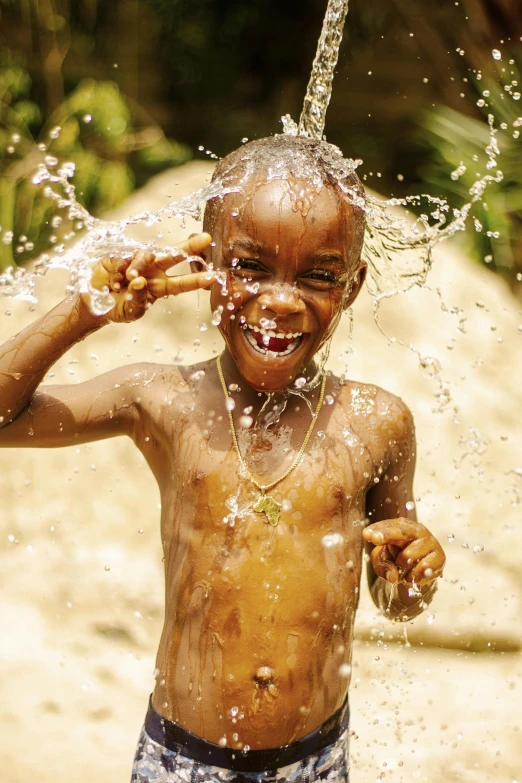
point(258, 619)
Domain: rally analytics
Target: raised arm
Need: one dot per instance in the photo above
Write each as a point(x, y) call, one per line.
point(60, 415)
point(405, 559)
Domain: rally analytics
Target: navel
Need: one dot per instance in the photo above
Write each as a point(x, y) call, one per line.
point(264, 676)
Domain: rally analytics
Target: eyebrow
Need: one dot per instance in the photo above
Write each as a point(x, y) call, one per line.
point(326, 257)
point(248, 245)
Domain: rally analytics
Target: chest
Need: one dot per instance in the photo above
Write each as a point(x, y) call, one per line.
point(325, 480)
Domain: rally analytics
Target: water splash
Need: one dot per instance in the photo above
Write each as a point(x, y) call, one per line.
point(86, 239)
point(319, 90)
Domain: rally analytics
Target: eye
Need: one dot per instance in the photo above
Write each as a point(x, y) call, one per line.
point(241, 265)
point(321, 276)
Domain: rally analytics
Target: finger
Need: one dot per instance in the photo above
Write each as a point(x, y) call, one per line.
point(141, 265)
point(394, 531)
point(195, 243)
point(135, 299)
point(428, 569)
point(414, 552)
point(172, 286)
point(193, 246)
point(109, 271)
point(168, 260)
point(383, 564)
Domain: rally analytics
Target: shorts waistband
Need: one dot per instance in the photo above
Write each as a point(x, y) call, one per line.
point(174, 737)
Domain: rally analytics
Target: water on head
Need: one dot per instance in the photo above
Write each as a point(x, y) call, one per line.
point(301, 193)
point(307, 165)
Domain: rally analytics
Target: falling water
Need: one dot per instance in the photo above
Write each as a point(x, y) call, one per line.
point(319, 90)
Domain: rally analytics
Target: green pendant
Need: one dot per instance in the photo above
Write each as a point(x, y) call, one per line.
point(267, 505)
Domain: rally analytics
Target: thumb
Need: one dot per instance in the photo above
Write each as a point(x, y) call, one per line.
point(384, 564)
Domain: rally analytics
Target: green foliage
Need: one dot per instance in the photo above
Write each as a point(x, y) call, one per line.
point(460, 141)
point(97, 131)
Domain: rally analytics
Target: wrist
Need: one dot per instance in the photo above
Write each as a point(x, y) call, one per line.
point(86, 318)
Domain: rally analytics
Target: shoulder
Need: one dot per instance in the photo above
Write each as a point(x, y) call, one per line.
point(376, 409)
point(142, 375)
point(140, 385)
point(174, 385)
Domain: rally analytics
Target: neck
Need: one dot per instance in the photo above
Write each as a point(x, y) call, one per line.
point(245, 396)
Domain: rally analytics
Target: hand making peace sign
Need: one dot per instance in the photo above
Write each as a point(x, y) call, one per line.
point(136, 281)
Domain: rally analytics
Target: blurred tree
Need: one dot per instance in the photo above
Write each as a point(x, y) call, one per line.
point(111, 140)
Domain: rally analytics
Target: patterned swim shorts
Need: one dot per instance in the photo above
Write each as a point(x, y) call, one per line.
point(155, 763)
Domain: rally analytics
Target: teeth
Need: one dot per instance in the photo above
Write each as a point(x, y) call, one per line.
point(296, 339)
point(271, 333)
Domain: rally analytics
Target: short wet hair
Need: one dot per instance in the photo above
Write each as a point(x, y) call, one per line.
point(292, 157)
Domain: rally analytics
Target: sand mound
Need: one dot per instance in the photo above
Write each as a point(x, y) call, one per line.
point(81, 561)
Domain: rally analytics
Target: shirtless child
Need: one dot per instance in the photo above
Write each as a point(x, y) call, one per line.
point(263, 528)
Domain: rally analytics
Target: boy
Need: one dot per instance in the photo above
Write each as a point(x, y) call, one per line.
point(265, 489)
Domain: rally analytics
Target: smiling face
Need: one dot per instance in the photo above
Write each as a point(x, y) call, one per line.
point(289, 277)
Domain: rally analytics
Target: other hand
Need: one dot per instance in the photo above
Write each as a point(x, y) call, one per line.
point(136, 280)
point(404, 551)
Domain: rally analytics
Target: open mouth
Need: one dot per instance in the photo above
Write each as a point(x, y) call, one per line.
point(267, 341)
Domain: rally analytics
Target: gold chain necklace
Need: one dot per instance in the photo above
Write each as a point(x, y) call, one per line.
point(265, 503)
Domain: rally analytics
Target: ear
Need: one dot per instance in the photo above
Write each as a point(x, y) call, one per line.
point(356, 284)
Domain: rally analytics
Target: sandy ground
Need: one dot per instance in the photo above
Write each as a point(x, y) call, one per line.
point(81, 610)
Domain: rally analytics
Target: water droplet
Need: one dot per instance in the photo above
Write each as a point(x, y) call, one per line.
point(246, 422)
point(496, 54)
point(459, 171)
point(345, 670)
point(332, 539)
point(216, 315)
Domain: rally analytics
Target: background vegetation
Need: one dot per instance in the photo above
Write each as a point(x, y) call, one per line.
point(123, 78)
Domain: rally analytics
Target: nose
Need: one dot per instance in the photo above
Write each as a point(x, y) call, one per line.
point(282, 300)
